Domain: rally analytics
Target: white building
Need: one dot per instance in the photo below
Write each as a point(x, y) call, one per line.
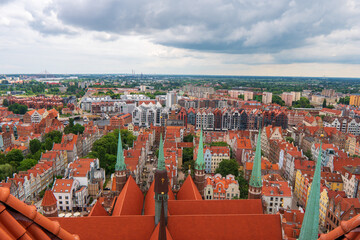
point(267, 97)
point(276, 194)
point(64, 191)
point(171, 99)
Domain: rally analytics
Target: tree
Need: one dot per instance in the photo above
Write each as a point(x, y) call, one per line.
point(18, 108)
point(2, 158)
point(289, 139)
point(26, 164)
point(5, 102)
point(49, 144)
point(189, 138)
point(35, 145)
point(228, 167)
point(78, 129)
point(6, 170)
point(14, 157)
point(302, 103)
point(188, 154)
point(277, 99)
point(308, 154)
point(185, 167)
point(324, 103)
point(243, 185)
point(219, 144)
point(241, 96)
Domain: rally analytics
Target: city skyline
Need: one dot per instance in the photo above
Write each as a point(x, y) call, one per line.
point(250, 38)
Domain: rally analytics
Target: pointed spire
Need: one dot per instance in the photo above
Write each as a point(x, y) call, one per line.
point(310, 225)
point(120, 162)
point(255, 179)
point(161, 159)
point(199, 163)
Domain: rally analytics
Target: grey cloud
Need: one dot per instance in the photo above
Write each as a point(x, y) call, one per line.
point(226, 26)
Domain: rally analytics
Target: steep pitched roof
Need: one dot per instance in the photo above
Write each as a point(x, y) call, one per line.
point(155, 234)
point(48, 199)
point(255, 179)
point(20, 221)
point(98, 209)
point(130, 201)
point(188, 190)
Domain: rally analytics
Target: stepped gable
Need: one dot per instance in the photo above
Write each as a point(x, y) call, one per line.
point(188, 190)
point(48, 199)
point(155, 234)
point(130, 201)
point(21, 221)
point(149, 207)
point(98, 209)
point(247, 226)
point(195, 207)
point(110, 228)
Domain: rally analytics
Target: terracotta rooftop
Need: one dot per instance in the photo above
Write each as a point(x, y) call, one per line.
point(48, 199)
point(188, 190)
point(21, 221)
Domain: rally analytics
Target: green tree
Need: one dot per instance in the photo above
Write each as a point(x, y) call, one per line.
point(18, 108)
point(324, 103)
point(26, 164)
point(308, 154)
point(49, 144)
point(219, 144)
point(302, 103)
point(243, 185)
point(289, 139)
point(189, 138)
point(188, 154)
point(277, 99)
point(241, 96)
point(5, 102)
point(228, 167)
point(35, 145)
point(78, 129)
point(14, 157)
point(6, 170)
point(2, 158)
point(185, 167)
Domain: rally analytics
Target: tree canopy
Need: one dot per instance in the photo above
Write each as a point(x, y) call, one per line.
point(302, 103)
point(26, 164)
point(277, 99)
point(18, 108)
point(228, 167)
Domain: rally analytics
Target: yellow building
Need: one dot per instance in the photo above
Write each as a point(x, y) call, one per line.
point(333, 181)
point(350, 144)
point(324, 202)
point(355, 100)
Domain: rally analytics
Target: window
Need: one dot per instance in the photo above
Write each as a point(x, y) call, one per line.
point(60, 197)
point(66, 197)
point(271, 199)
point(60, 202)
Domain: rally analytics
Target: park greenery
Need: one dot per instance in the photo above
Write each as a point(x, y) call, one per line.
point(105, 148)
point(74, 128)
point(302, 103)
point(277, 99)
point(18, 108)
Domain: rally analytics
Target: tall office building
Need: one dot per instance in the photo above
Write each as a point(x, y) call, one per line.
point(171, 99)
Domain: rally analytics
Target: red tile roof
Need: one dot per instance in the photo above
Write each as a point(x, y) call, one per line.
point(130, 200)
point(48, 199)
point(28, 223)
point(195, 207)
point(98, 209)
point(188, 190)
point(149, 206)
point(63, 185)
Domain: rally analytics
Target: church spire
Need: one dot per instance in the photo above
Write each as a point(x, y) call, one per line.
point(120, 162)
point(255, 179)
point(200, 167)
point(161, 159)
point(255, 184)
point(310, 225)
point(199, 163)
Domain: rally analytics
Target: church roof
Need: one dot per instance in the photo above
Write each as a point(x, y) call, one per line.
point(200, 163)
point(106, 227)
point(155, 234)
point(120, 162)
point(195, 207)
point(20, 221)
point(149, 206)
point(130, 200)
point(245, 226)
point(98, 209)
point(188, 190)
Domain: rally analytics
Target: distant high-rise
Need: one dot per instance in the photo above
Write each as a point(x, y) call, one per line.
point(355, 100)
point(267, 97)
point(171, 99)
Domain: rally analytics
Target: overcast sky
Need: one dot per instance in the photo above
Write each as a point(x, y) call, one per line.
point(222, 37)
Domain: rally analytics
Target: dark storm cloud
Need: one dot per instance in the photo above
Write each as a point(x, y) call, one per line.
point(227, 26)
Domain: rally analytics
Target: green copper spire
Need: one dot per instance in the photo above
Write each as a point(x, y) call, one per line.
point(255, 179)
point(120, 162)
point(161, 159)
point(310, 225)
point(199, 163)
